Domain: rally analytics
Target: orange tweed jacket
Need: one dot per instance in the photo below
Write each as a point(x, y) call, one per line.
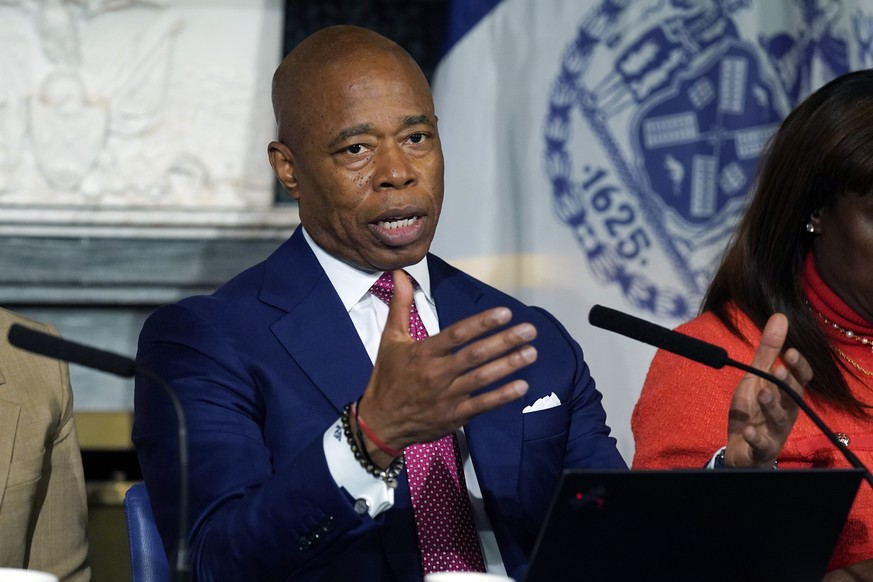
point(681, 420)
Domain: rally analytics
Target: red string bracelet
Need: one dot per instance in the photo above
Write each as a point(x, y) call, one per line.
point(371, 435)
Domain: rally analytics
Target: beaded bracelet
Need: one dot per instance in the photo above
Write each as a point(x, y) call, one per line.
point(389, 474)
point(362, 427)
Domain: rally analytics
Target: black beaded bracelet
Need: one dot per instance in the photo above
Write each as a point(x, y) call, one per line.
point(389, 474)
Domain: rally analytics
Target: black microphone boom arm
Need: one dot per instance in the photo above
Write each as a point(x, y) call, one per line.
point(709, 355)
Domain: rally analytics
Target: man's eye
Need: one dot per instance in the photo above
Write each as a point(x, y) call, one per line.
point(355, 149)
point(417, 137)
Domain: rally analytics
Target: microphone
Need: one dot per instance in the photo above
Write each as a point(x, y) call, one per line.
point(52, 346)
point(709, 355)
point(660, 337)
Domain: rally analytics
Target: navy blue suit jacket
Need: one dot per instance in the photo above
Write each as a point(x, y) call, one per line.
point(263, 367)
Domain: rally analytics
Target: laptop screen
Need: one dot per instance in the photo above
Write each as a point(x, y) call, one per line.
point(693, 525)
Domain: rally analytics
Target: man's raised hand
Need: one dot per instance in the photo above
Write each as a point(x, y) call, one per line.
point(422, 390)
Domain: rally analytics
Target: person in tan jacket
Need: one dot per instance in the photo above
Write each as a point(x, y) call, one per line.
point(43, 508)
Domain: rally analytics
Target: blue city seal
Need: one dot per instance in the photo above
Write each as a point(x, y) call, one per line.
point(681, 98)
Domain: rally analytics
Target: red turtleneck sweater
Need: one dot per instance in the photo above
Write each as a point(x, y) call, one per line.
point(696, 399)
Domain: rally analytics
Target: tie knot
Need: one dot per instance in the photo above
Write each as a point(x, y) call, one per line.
point(383, 288)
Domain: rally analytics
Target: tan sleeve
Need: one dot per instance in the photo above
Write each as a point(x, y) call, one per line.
point(60, 541)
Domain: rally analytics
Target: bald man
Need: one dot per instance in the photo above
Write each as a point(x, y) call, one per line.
point(358, 409)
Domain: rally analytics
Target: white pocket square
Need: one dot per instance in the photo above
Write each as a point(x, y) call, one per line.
point(543, 403)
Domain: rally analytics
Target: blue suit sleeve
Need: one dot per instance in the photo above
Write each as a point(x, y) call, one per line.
point(251, 517)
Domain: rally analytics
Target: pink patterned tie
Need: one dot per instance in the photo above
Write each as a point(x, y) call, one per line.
point(447, 537)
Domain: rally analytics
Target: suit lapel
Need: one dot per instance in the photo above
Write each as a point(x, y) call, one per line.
point(330, 352)
point(333, 357)
point(494, 438)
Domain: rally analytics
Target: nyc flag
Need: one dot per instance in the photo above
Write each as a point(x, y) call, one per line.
point(602, 151)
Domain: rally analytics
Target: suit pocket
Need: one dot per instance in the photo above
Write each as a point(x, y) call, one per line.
point(543, 423)
point(542, 456)
point(23, 471)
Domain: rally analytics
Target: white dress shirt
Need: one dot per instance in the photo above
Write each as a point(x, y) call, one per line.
point(369, 314)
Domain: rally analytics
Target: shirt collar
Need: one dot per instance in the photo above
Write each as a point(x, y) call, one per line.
point(352, 284)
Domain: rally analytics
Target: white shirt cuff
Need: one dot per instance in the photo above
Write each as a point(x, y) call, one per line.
point(349, 474)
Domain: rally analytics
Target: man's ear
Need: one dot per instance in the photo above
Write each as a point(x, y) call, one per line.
point(282, 162)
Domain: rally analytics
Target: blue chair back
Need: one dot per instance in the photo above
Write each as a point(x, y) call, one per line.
point(148, 562)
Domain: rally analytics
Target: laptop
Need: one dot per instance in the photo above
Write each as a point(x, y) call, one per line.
point(693, 525)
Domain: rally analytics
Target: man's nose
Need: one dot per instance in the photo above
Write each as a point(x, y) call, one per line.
point(394, 168)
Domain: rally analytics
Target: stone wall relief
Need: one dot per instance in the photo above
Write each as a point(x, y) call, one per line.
point(108, 104)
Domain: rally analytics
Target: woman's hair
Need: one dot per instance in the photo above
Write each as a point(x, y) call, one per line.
point(823, 149)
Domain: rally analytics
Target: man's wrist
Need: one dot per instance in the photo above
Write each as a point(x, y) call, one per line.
point(360, 426)
point(388, 474)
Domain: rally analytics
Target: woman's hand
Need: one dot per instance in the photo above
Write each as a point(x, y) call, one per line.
point(761, 416)
point(860, 572)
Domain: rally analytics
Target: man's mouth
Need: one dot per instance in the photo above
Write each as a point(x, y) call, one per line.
point(397, 222)
point(397, 231)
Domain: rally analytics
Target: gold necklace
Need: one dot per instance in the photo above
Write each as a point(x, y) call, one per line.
point(856, 365)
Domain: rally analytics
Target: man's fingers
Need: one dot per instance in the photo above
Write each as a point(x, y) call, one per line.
point(469, 329)
point(458, 334)
point(486, 349)
point(401, 303)
point(421, 389)
point(488, 360)
point(490, 400)
point(493, 371)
